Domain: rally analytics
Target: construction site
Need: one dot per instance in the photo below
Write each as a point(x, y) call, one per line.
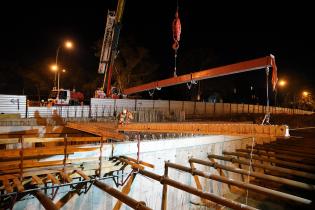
point(121, 151)
point(96, 163)
point(163, 154)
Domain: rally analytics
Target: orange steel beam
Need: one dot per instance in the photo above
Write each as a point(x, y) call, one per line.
point(235, 68)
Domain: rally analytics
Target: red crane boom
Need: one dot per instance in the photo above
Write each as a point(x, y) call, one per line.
point(250, 65)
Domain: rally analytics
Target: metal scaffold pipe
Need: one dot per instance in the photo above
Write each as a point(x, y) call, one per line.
point(272, 154)
point(209, 196)
point(257, 175)
point(122, 197)
point(286, 150)
point(280, 162)
point(268, 167)
point(45, 200)
point(239, 184)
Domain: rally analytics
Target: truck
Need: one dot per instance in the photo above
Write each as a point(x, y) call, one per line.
point(65, 97)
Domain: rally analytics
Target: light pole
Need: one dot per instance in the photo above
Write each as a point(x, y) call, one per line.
point(63, 71)
point(282, 83)
point(55, 68)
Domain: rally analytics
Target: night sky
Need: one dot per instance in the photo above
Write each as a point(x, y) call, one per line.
point(221, 33)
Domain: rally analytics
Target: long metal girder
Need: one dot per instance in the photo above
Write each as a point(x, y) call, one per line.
point(250, 65)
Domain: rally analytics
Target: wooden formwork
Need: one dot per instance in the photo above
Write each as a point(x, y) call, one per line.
point(209, 128)
point(24, 169)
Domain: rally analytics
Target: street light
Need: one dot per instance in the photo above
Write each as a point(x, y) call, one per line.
point(305, 93)
point(282, 83)
point(68, 45)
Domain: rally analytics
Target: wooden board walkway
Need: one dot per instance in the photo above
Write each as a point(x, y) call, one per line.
point(105, 130)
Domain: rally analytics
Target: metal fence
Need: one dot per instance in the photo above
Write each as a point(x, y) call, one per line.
point(147, 110)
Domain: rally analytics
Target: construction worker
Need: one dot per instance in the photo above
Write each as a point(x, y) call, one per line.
point(124, 117)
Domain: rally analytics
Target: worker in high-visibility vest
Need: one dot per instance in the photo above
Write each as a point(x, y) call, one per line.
point(124, 117)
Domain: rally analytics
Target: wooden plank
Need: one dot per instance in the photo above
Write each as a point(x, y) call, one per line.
point(18, 184)
point(65, 177)
point(8, 176)
point(140, 162)
point(134, 165)
point(29, 164)
point(57, 150)
point(53, 179)
point(237, 129)
point(10, 165)
point(42, 140)
point(105, 132)
point(81, 173)
point(67, 197)
point(36, 180)
point(85, 139)
point(125, 190)
point(7, 185)
point(9, 140)
point(107, 166)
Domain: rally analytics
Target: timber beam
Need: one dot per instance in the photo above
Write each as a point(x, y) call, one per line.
point(103, 131)
point(241, 129)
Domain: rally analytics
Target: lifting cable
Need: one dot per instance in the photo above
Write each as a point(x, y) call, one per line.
point(151, 92)
point(265, 121)
point(192, 82)
point(267, 114)
point(250, 167)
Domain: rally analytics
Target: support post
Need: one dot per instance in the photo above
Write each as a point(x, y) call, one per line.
point(126, 189)
point(164, 193)
point(101, 158)
point(209, 204)
point(65, 152)
point(209, 196)
point(21, 158)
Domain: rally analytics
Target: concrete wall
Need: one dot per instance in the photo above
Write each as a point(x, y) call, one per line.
point(156, 152)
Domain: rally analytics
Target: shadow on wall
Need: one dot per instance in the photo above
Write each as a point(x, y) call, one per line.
point(54, 120)
point(40, 120)
point(57, 119)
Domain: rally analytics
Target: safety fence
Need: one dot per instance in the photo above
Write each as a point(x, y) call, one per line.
point(13, 104)
point(143, 110)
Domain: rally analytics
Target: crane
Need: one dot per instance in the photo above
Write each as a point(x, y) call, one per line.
point(110, 45)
